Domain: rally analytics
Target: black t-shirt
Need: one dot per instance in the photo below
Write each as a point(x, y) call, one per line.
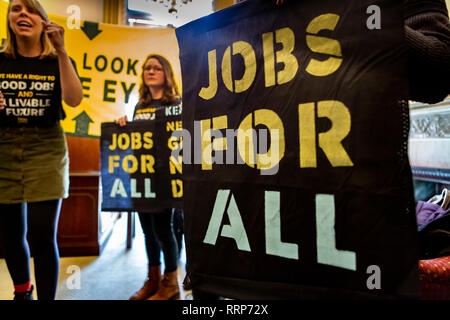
point(32, 91)
point(157, 108)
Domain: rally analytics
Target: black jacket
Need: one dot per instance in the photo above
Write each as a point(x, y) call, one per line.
point(427, 33)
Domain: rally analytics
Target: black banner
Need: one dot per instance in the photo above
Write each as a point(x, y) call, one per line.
point(141, 166)
point(297, 184)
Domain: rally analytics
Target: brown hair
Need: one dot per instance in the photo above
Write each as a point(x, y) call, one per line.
point(170, 90)
point(10, 47)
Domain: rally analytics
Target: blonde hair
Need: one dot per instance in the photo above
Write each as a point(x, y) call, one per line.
point(170, 90)
point(10, 46)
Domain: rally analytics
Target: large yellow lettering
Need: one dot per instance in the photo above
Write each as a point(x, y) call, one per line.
point(246, 143)
point(307, 134)
point(136, 142)
point(174, 125)
point(269, 59)
point(323, 45)
point(170, 126)
point(113, 163)
point(286, 37)
point(219, 123)
point(331, 141)
point(226, 70)
point(126, 164)
point(113, 144)
point(275, 153)
point(210, 92)
point(175, 143)
point(176, 165)
point(123, 141)
point(177, 188)
point(206, 144)
point(147, 163)
point(247, 52)
point(148, 141)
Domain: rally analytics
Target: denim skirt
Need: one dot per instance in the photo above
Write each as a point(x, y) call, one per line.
point(34, 164)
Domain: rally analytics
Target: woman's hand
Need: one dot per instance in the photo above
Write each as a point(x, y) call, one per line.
point(280, 2)
point(122, 121)
point(71, 89)
point(56, 35)
point(2, 101)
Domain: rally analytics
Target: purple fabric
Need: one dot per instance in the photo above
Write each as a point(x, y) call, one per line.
point(427, 212)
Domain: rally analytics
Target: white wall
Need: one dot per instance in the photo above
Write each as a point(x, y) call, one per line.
point(91, 10)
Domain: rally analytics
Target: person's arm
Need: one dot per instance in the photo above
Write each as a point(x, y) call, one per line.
point(428, 35)
point(71, 89)
point(427, 38)
point(280, 2)
point(2, 101)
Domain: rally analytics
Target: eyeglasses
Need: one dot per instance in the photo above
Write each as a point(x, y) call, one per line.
point(155, 68)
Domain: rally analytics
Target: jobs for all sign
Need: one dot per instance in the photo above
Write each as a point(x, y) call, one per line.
point(139, 172)
point(303, 175)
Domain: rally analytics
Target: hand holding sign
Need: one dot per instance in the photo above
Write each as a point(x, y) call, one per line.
point(122, 121)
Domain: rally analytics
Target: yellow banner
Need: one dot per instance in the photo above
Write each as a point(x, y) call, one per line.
point(109, 61)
